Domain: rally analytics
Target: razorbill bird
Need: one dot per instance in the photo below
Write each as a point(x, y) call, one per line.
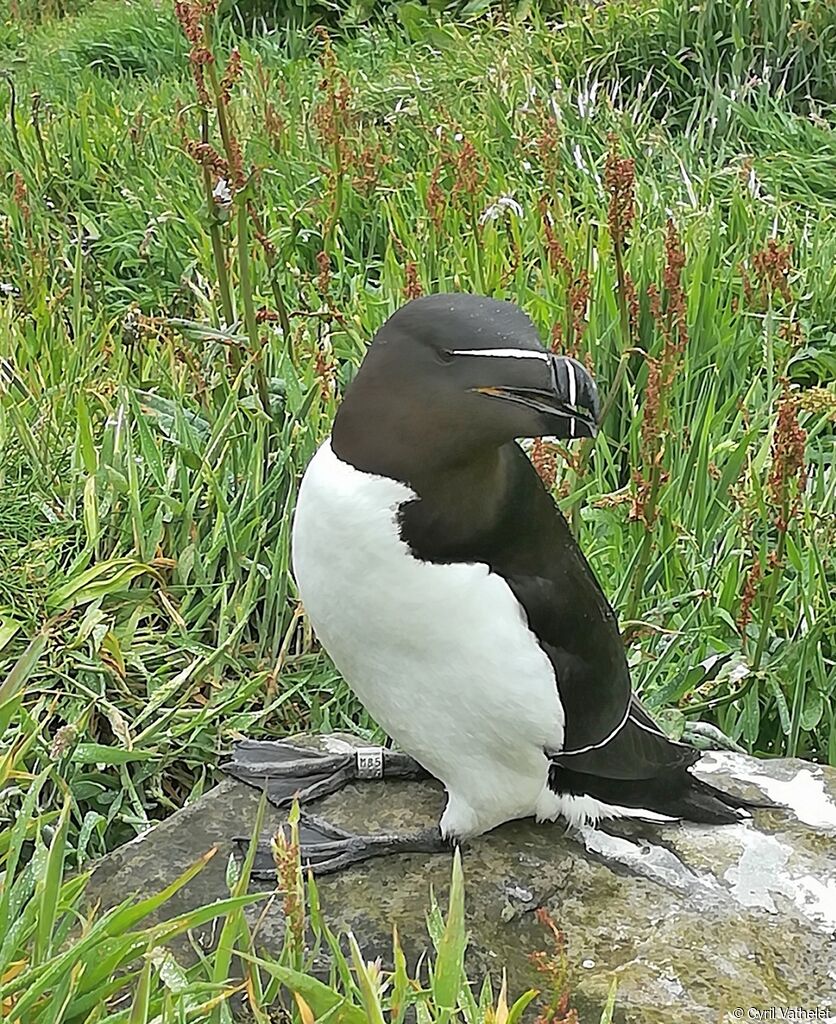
point(451, 595)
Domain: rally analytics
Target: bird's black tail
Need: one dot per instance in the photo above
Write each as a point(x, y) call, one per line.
point(675, 793)
point(701, 802)
point(641, 769)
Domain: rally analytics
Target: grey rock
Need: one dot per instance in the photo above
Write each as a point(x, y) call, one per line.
point(703, 919)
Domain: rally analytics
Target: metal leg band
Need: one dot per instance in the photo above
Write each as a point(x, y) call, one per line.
point(370, 762)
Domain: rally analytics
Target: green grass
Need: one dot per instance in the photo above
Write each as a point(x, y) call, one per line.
point(58, 962)
point(150, 449)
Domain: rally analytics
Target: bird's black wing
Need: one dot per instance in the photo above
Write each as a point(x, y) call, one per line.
point(510, 523)
point(607, 731)
point(585, 650)
point(636, 752)
point(612, 750)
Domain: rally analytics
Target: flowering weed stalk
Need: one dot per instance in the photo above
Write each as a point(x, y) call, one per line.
point(670, 316)
point(285, 846)
point(333, 121)
point(230, 188)
point(620, 183)
point(469, 183)
point(567, 336)
point(770, 268)
point(785, 487)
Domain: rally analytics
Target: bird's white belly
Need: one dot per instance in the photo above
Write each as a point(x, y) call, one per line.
point(440, 655)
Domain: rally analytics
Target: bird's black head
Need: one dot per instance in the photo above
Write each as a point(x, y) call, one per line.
point(449, 377)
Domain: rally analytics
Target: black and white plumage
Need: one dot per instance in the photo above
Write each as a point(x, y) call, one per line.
point(451, 595)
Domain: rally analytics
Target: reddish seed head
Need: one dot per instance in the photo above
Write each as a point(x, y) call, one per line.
point(578, 302)
point(788, 476)
point(332, 116)
point(191, 15)
point(436, 198)
point(326, 56)
point(369, 163)
point(231, 74)
point(469, 171)
point(670, 316)
point(236, 162)
point(771, 268)
point(412, 287)
point(274, 123)
point(558, 260)
point(545, 462)
point(323, 281)
point(547, 144)
point(20, 195)
point(750, 592)
point(326, 373)
point(620, 183)
point(672, 280)
point(632, 303)
point(207, 156)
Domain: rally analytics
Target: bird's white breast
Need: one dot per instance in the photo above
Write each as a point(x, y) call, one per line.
point(440, 655)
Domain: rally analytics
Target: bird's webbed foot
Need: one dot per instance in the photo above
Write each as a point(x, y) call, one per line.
point(288, 772)
point(326, 849)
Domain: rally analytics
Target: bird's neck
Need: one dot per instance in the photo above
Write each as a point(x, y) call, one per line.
point(459, 507)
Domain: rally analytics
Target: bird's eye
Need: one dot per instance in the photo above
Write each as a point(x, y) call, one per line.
point(444, 356)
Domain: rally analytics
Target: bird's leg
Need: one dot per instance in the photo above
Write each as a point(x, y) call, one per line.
point(288, 772)
point(325, 849)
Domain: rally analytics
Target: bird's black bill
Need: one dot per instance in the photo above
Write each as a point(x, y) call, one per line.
point(572, 397)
